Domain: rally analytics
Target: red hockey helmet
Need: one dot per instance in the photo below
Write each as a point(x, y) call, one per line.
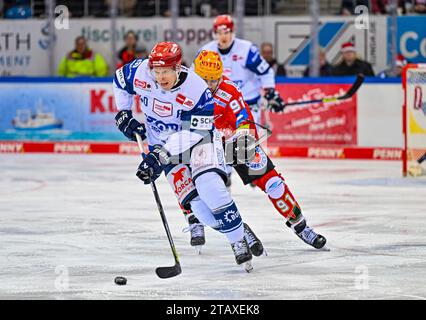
point(223, 22)
point(165, 54)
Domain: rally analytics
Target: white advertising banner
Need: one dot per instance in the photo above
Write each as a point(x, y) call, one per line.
point(23, 48)
point(24, 43)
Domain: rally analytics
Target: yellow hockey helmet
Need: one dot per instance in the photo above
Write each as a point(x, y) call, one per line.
point(208, 65)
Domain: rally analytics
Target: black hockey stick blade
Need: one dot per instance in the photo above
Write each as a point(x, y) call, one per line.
point(168, 272)
point(357, 84)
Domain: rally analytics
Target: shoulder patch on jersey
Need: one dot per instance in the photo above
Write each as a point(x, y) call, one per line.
point(255, 54)
point(136, 63)
point(163, 109)
point(120, 77)
point(254, 49)
point(263, 67)
point(233, 84)
point(224, 95)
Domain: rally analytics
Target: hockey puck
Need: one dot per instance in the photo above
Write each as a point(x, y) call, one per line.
point(121, 281)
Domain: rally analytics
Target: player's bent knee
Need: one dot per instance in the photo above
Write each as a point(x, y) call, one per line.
point(212, 190)
point(203, 213)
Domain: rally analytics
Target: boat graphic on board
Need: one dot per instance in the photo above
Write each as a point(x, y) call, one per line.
point(40, 120)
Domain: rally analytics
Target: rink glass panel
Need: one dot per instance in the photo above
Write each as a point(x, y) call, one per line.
point(415, 113)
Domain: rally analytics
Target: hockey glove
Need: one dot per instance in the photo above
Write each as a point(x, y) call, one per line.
point(275, 102)
point(129, 125)
point(152, 165)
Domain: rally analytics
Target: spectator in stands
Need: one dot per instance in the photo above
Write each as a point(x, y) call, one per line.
point(145, 8)
point(267, 52)
point(347, 7)
point(399, 64)
point(379, 6)
point(126, 7)
point(325, 67)
point(420, 6)
point(351, 64)
point(17, 9)
point(384, 6)
point(82, 61)
point(141, 53)
point(219, 7)
point(128, 52)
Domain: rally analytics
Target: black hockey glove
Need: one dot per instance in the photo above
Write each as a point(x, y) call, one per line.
point(275, 102)
point(129, 125)
point(152, 165)
point(242, 149)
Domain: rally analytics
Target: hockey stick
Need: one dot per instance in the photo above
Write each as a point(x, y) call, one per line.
point(163, 272)
point(356, 85)
point(422, 158)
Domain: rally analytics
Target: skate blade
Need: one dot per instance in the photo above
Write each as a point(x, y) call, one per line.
point(198, 249)
point(248, 267)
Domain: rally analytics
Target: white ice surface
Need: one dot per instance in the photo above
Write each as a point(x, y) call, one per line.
point(70, 224)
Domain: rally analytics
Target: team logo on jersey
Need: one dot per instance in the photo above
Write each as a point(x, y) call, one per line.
point(260, 160)
point(224, 95)
point(161, 127)
point(180, 98)
point(142, 85)
point(235, 57)
point(163, 109)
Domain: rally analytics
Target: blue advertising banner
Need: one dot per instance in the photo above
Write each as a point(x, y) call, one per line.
point(58, 111)
point(411, 37)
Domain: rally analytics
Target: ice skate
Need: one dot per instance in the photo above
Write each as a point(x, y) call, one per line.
point(196, 229)
point(253, 241)
point(308, 235)
point(242, 254)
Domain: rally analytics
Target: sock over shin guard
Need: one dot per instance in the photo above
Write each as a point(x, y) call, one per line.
point(279, 194)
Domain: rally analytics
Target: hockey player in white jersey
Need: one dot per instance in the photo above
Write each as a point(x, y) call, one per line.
point(178, 109)
point(244, 65)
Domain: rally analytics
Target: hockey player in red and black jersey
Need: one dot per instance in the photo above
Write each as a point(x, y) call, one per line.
point(233, 118)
